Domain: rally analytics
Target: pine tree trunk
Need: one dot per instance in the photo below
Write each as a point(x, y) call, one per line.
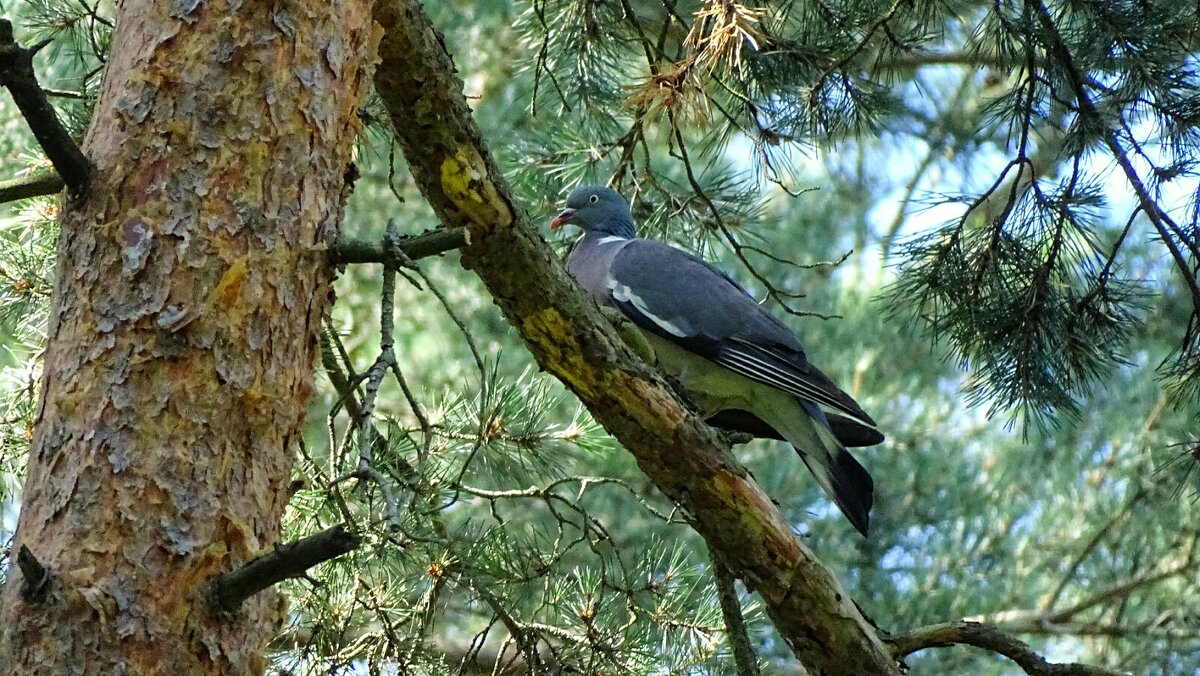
point(191, 281)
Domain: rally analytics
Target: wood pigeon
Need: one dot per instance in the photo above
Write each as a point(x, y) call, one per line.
point(738, 364)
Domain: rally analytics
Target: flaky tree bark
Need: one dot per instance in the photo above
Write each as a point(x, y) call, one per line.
point(191, 281)
point(568, 337)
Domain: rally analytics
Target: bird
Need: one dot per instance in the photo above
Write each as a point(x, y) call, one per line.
point(741, 367)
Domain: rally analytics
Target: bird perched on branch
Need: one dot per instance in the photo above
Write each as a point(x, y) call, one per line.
point(738, 364)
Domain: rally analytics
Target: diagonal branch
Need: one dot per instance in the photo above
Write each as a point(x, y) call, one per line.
point(16, 73)
point(735, 625)
point(1092, 544)
point(1051, 620)
point(286, 561)
point(568, 337)
point(1119, 591)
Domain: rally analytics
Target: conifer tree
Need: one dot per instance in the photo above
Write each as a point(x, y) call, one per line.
point(981, 219)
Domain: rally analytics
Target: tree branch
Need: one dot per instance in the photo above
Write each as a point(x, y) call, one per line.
point(569, 338)
point(37, 577)
point(346, 385)
point(1049, 620)
point(16, 73)
point(1092, 544)
point(33, 185)
point(735, 624)
point(989, 638)
point(1158, 628)
point(230, 589)
point(1163, 223)
point(426, 244)
point(913, 60)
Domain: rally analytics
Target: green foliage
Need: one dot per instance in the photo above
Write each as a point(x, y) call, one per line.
point(1035, 304)
point(71, 66)
point(473, 556)
point(26, 268)
point(1015, 186)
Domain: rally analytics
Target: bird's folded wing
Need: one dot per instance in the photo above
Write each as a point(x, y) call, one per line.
point(850, 433)
point(786, 370)
point(698, 307)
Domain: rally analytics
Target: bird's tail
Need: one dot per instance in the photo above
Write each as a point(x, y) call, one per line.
point(848, 483)
point(805, 427)
point(842, 477)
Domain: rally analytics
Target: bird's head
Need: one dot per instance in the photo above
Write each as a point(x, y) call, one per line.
point(597, 209)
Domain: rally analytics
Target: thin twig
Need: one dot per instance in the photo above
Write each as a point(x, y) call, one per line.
point(936, 140)
point(431, 243)
point(1093, 542)
point(913, 60)
point(772, 291)
point(539, 10)
point(343, 382)
point(547, 492)
point(368, 435)
point(484, 383)
point(1163, 223)
point(526, 643)
point(735, 624)
point(64, 94)
point(1122, 590)
point(400, 253)
point(861, 45)
point(1051, 620)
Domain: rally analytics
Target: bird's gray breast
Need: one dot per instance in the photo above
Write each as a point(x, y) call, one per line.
point(591, 261)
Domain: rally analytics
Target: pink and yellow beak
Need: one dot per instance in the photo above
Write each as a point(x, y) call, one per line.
point(564, 217)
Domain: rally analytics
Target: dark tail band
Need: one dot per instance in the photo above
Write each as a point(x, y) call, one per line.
point(852, 488)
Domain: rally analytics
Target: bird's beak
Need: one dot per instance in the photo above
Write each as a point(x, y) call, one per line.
point(566, 215)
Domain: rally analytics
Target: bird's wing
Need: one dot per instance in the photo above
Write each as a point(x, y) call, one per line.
point(850, 433)
point(681, 298)
point(787, 369)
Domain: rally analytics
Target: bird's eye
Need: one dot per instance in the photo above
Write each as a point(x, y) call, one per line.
point(594, 198)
